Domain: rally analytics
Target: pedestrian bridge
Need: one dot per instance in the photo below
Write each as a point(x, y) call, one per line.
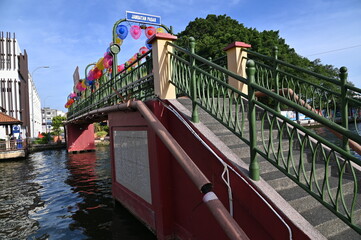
point(202, 149)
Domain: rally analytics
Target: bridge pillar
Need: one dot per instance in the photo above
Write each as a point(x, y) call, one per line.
point(161, 65)
point(80, 137)
point(236, 62)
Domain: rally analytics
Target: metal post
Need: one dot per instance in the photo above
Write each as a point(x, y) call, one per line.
point(148, 64)
point(115, 49)
point(344, 106)
point(276, 77)
point(254, 166)
point(193, 84)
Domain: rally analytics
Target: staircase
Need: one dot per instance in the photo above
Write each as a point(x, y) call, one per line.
point(316, 214)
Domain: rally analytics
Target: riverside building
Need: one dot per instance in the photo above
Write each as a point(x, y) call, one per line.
point(19, 98)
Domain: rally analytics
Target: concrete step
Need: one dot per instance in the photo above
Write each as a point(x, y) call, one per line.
point(279, 181)
point(223, 131)
point(329, 225)
point(318, 215)
point(204, 116)
point(304, 202)
point(335, 229)
point(243, 150)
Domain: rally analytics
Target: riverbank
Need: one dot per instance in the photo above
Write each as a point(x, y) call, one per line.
point(32, 148)
point(62, 145)
point(104, 142)
point(50, 146)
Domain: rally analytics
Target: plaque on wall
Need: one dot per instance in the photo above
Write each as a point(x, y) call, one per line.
point(132, 162)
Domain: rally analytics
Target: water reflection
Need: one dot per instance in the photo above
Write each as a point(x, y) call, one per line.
point(18, 196)
point(55, 195)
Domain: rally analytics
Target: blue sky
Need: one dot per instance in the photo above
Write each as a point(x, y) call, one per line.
point(64, 34)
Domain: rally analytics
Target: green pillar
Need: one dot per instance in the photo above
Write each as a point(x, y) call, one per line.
point(344, 106)
point(193, 85)
point(276, 76)
point(254, 165)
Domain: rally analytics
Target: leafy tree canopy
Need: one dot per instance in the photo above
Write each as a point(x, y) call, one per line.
point(214, 33)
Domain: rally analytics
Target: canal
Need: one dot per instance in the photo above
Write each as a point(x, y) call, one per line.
point(56, 195)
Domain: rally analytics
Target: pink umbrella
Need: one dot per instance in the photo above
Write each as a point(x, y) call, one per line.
point(135, 31)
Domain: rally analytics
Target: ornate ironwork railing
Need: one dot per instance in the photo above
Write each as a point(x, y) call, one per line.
point(309, 159)
point(134, 82)
point(324, 95)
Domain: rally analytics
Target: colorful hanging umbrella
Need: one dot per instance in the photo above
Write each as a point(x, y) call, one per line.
point(106, 58)
point(99, 64)
point(81, 86)
point(121, 67)
point(135, 31)
point(108, 61)
point(150, 31)
point(160, 30)
point(97, 73)
point(143, 50)
point(89, 82)
point(133, 58)
point(72, 95)
point(149, 46)
point(119, 41)
point(122, 31)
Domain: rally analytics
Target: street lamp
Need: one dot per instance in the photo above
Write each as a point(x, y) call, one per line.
point(32, 97)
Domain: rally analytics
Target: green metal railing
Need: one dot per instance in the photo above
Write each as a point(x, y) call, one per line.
point(134, 82)
point(325, 95)
point(307, 158)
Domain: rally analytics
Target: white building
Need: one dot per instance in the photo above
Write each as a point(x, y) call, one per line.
point(18, 96)
point(47, 115)
point(35, 109)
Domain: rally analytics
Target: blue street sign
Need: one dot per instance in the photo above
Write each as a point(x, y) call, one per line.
point(142, 18)
point(16, 129)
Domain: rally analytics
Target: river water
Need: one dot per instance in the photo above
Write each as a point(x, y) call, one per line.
point(56, 195)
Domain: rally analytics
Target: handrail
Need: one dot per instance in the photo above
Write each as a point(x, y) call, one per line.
point(220, 213)
point(309, 113)
point(123, 80)
point(209, 63)
point(354, 145)
point(229, 106)
point(195, 134)
point(317, 117)
point(295, 67)
point(307, 87)
point(13, 145)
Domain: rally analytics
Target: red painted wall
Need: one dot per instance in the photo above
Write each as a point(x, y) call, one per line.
point(80, 137)
point(177, 208)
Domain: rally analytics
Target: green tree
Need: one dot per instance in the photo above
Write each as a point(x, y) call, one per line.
point(57, 124)
point(214, 33)
point(101, 129)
